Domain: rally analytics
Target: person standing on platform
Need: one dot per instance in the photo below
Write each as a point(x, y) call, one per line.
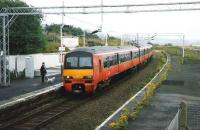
point(43, 71)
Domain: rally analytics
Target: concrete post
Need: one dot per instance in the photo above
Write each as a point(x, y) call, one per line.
point(183, 116)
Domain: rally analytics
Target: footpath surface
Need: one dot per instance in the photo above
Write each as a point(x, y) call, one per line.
point(183, 84)
point(24, 86)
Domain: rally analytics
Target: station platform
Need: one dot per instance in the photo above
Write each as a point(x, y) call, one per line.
point(182, 85)
point(27, 87)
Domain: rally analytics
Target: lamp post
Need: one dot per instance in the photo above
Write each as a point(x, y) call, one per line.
point(106, 39)
point(183, 47)
point(121, 39)
point(83, 38)
point(137, 39)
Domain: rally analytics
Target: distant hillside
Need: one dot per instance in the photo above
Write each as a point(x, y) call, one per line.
point(53, 35)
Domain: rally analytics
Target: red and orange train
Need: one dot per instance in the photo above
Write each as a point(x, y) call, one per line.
point(85, 69)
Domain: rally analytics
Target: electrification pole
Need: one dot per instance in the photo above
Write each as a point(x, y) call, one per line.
point(61, 39)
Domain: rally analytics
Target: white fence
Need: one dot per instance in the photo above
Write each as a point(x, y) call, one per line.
point(17, 62)
point(174, 124)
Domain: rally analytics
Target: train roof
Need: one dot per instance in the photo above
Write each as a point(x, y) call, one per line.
point(104, 49)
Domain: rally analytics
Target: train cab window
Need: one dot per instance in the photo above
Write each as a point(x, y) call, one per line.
point(78, 62)
point(85, 62)
point(72, 62)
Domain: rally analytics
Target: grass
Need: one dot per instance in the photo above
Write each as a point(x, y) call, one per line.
point(127, 115)
point(192, 55)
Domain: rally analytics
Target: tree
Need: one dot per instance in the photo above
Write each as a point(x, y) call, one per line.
point(26, 33)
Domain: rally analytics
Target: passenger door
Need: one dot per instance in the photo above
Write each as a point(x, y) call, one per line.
point(100, 69)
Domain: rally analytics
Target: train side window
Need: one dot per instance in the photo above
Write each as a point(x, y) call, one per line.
point(110, 61)
point(118, 60)
point(127, 57)
point(105, 62)
point(130, 55)
point(133, 55)
point(141, 53)
point(122, 58)
point(114, 59)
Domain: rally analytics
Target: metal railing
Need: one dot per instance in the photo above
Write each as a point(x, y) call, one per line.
point(187, 118)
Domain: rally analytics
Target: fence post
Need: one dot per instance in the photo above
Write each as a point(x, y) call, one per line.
point(183, 116)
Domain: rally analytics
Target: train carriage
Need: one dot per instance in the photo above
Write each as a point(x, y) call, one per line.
point(87, 68)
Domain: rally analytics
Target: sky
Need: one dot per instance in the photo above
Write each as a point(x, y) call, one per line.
point(120, 24)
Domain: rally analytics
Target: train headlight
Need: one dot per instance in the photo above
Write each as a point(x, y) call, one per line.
point(88, 77)
point(68, 77)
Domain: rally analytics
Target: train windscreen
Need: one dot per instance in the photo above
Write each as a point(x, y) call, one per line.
point(75, 62)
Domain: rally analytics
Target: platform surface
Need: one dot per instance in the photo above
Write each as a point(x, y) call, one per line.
point(21, 87)
point(183, 84)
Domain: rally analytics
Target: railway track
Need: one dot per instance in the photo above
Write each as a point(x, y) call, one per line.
point(47, 113)
point(43, 118)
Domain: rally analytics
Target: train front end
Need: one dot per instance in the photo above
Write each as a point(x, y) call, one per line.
point(78, 72)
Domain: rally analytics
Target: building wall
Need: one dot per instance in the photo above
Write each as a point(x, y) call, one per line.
point(18, 61)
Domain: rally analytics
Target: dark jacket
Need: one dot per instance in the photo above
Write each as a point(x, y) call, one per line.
point(43, 70)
